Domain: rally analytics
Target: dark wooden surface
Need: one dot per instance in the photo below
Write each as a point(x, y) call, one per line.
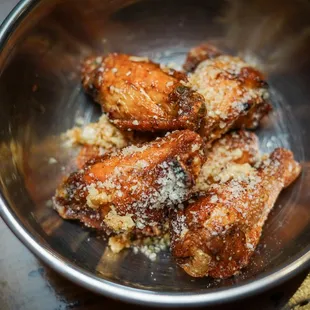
point(26, 283)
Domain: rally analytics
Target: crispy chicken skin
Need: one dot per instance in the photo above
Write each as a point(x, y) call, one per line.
point(252, 118)
point(216, 234)
point(198, 54)
point(87, 153)
point(237, 147)
point(140, 95)
point(130, 189)
point(235, 93)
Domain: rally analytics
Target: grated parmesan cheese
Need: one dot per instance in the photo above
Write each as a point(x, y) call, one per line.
point(226, 97)
point(119, 242)
point(95, 198)
point(119, 223)
point(102, 133)
point(138, 59)
point(151, 246)
point(52, 161)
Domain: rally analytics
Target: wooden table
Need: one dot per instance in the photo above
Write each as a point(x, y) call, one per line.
point(26, 283)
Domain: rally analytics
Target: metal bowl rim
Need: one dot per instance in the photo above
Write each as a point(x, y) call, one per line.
point(122, 292)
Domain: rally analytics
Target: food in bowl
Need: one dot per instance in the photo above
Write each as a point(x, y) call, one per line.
point(132, 189)
point(171, 156)
point(140, 95)
point(216, 233)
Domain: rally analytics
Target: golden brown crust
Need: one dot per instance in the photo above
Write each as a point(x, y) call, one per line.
point(217, 233)
point(140, 95)
point(251, 120)
point(200, 53)
point(87, 153)
point(130, 189)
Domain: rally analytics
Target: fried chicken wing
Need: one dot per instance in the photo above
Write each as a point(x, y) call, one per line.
point(140, 95)
point(200, 53)
point(235, 93)
point(130, 189)
point(216, 234)
point(239, 147)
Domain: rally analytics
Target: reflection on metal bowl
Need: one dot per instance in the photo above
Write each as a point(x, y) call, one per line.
point(42, 44)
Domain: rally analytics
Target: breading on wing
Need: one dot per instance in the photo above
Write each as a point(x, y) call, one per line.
point(239, 147)
point(216, 234)
point(130, 189)
point(235, 93)
point(141, 95)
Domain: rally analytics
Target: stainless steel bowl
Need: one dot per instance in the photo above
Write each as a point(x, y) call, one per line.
point(41, 45)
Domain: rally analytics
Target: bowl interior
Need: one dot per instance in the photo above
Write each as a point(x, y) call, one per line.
point(41, 97)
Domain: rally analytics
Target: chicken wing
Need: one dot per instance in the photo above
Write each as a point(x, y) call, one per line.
point(200, 53)
point(235, 93)
point(140, 95)
point(240, 147)
point(130, 189)
point(216, 234)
